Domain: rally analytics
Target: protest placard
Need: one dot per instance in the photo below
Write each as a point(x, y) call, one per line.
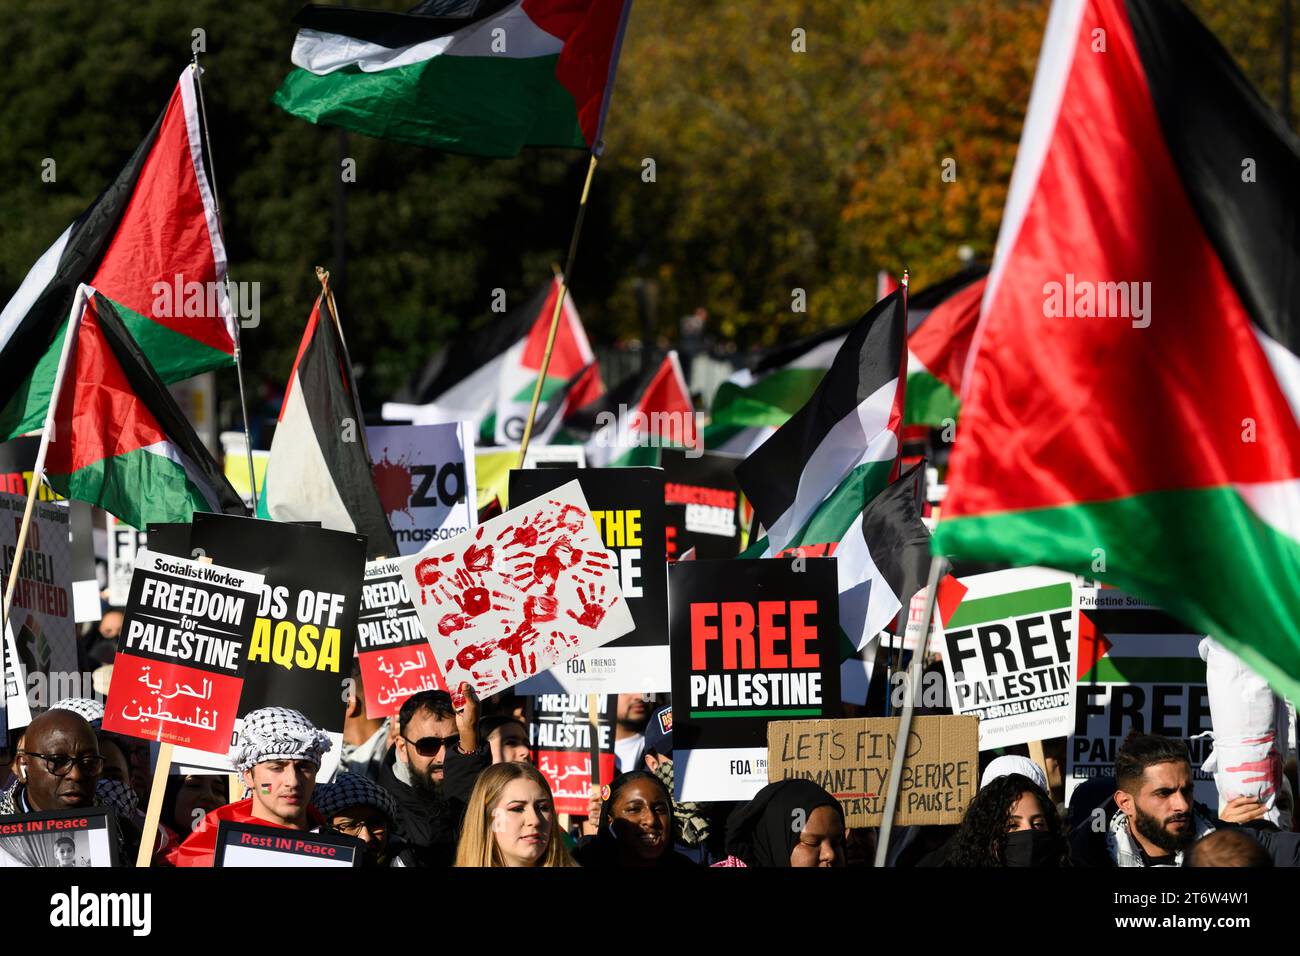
point(44, 632)
point(702, 504)
point(247, 844)
point(1008, 654)
point(395, 657)
point(303, 637)
point(181, 657)
point(59, 838)
point(527, 590)
point(1138, 668)
point(628, 506)
point(752, 641)
point(851, 760)
point(425, 478)
point(559, 731)
point(123, 543)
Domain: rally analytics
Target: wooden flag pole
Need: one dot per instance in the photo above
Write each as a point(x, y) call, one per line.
point(47, 435)
point(559, 302)
point(912, 687)
point(153, 815)
point(235, 324)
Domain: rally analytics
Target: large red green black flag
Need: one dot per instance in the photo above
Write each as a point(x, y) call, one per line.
point(1129, 411)
point(152, 243)
point(120, 441)
point(484, 77)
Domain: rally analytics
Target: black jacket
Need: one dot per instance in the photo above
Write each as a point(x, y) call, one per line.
point(428, 825)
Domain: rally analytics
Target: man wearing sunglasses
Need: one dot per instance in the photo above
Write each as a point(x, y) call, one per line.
point(431, 771)
point(58, 766)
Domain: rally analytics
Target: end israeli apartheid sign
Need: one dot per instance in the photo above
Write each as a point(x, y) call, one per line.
point(179, 669)
point(752, 641)
point(851, 760)
point(627, 505)
point(1008, 652)
point(395, 657)
point(425, 478)
point(1138, 669)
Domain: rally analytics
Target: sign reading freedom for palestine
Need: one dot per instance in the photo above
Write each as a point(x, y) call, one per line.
point(752, 641)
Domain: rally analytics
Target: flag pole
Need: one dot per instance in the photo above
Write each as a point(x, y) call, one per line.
point(239, 349)
point(47, 435)
point(559, 300)
point(911, 688)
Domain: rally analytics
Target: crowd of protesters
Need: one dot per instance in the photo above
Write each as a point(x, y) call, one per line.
point(449, 781)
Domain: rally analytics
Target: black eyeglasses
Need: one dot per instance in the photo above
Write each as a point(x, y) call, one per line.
point(429, 746)
point(61, 764)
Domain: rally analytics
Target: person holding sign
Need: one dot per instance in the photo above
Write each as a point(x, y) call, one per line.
point(277, 753)
point(636, 826)
point(790, 822)
point(510, 821)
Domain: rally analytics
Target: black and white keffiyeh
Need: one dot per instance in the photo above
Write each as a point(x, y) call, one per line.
point(353, 790)
point(277, 733)
point(86, 707)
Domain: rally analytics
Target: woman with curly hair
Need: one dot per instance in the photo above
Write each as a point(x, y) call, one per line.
point(1011, 822)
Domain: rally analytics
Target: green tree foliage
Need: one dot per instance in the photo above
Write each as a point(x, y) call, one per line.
point(796, 144)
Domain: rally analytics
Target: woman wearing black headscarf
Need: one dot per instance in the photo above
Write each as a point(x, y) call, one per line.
point(788, 823)
point(636, 826)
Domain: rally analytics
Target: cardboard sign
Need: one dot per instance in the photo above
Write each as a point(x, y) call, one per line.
point(1008, 653)
point(123, 543)
point(851, 760)
point(1137, 668)
point(628, 506)
point(301, 649)
point(528, 590)
point(752, 641)
point(247, 844)
point(180, 662)
point(425, 478)
point(60, 838)
point(44, 632)
point(702, 504)
point(559, 731)
point(395, 656)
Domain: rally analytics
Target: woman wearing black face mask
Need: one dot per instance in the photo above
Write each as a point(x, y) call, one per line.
point(1011, 822)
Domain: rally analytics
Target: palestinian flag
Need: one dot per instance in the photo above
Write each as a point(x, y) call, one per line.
point(152, 243)
point(485, 375)
point(847, 432)
point(120, 441)
point(1155, 449)
point(632, 421)
point(883, 558)
point(319, 468)
point(484, 77)
point(570, 356)
point(574, 393)
point(941, 321)
point(780, 384)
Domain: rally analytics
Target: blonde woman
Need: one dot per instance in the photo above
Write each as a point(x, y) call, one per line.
point(510, 821)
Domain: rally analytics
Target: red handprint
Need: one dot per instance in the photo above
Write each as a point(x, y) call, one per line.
point(450, 623)
point(429, 578)
point(593, 611)
point(528, 531)
point(478, 559)
point(475, 599)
